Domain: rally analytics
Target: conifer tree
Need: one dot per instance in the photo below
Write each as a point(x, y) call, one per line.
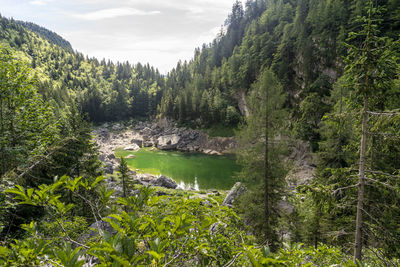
point(123, 172)
point(259, 153)
point(370, 70)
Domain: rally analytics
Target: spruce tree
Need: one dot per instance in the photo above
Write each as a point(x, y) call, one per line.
point(370, 70)
point(259, 154)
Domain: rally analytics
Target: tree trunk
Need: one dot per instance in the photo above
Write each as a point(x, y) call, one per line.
point(360, 199)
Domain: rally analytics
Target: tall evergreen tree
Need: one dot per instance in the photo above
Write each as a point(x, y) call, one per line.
point(259, 151)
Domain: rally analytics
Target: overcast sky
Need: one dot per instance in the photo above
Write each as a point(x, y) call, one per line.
point(159, 32)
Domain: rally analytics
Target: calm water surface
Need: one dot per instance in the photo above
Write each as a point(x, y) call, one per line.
point(194, 170)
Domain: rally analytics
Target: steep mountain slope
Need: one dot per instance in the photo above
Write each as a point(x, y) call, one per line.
point(300, 40)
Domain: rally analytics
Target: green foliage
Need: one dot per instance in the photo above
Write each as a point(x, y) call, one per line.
point(27, 124)
point(47, 34)
point(68, 257)
point(104, 90)
point(157, 230)
point(126, 183)
point(257, 137)
point(220, 130)
point(299, 45)
point(368, 80)
point(166, 230)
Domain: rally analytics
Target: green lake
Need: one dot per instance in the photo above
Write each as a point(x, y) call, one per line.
point(195, 170)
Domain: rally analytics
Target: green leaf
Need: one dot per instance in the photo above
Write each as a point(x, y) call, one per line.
point(98, 180)
point(155, 255)
point(253, 261)
point(121, 261)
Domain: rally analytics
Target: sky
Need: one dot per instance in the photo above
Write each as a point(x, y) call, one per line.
point(158, 32)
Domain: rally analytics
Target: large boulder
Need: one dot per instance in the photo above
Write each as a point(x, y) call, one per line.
point(164, 181)
point(138, 142)
point(168, 141)
point(146, 131)
point(148, 143)
point(132, 147)
point(233, 194)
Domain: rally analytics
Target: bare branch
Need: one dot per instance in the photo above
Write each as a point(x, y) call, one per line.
point(389, 114)
point(92, 208)
point(383, 260)
point(233, 260)
point(379, 182)
point(334, 192)
point(35, 164)
point(66, 233)
point(383, 173)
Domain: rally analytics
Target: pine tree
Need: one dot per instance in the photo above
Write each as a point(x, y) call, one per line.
point(370, 69)
point(124, 176)
point(259, 154)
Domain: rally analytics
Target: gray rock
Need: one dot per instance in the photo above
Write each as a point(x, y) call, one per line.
point(117, 127)
point(146, 131)
point(148, 143)
point(132, 173)
point(168, 141)
point(163, 181)
point(163, 123)
point(233, 194)
point(138, 142)
point(109, 168)
point(101, 226)
point(132, 147)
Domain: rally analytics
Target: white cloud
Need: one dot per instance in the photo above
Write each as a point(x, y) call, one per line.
point(39, 2)
point(113, 13)
point(163, 31)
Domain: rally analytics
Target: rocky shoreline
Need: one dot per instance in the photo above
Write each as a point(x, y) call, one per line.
point(163, 135)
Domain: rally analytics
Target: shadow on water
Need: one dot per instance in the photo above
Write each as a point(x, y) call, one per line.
point(189, 170)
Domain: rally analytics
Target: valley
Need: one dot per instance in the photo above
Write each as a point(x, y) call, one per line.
point(276, 144)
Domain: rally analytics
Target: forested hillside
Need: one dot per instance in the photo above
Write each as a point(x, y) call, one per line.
point(52, 37)
point(104, 90)
point(312, 89)
point(302, 42)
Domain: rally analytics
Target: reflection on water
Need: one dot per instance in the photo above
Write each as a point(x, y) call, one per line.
point(189, 170)
point(189, 186)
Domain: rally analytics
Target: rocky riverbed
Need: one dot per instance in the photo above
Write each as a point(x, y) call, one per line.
point(163, 135)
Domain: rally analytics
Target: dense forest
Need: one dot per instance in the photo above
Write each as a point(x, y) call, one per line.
point(320, 78)
point(103, 90)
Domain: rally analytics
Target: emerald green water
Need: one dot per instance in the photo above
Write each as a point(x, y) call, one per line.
point(194, 170)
